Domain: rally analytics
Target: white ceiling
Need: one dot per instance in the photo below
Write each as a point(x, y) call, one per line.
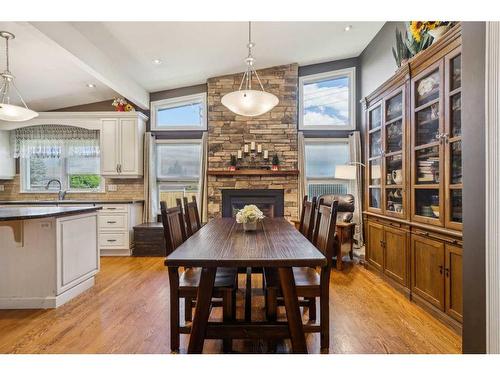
point(51, 74)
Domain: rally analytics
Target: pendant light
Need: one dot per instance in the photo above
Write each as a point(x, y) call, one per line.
point(245, 101)
point(10, 112)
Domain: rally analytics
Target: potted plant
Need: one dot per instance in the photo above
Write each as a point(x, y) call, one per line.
point(249, 216)
point(275, 162)
point(232, 163)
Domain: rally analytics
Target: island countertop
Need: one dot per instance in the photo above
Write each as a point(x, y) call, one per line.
point(25, 213)
point(70, 202)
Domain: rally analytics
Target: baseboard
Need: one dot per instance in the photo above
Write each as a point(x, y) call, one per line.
point(400, 288)
point(437, 313)
point(115, 252)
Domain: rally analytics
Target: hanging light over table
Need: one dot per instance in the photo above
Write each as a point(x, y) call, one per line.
point(11, 112)
point(245, 101)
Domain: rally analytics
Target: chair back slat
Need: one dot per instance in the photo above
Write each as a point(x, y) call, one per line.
point(307, 218)
point(192, 216)
point(173, 227)
point(324, 236)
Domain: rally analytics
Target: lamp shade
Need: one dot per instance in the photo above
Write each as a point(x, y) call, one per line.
point(9, 112)
point(249, 102)
point(345, 172)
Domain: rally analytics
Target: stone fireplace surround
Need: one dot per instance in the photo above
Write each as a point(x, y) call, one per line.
point(275, 130)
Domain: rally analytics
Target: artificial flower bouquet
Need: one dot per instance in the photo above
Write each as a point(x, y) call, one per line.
point(249, 216)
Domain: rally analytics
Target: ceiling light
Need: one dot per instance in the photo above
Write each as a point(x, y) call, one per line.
point(10, 112)
point(348, 27)
point(90, 85)
point(157, 61)
point(248, 102)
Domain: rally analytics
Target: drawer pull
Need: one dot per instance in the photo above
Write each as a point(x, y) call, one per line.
point(111, 222)
point(111, 240)
point(110, 208)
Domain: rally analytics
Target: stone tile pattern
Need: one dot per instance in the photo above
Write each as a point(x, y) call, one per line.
point(275, 130)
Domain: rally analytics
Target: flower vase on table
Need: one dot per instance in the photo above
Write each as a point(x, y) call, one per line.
point(249, 216)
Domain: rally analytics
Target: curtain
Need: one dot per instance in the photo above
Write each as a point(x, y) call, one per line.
point(203, 204)
point(55, 141)
point(356, 186)
point(302, 169)
point(150, 186)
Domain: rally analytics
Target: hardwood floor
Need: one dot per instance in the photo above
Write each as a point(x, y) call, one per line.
point(127, 312)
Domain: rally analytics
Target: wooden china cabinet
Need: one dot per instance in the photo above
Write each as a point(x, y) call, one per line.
point(413, 180)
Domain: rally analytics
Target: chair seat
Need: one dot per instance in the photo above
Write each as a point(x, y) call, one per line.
point(225, 278)
point(304, 277)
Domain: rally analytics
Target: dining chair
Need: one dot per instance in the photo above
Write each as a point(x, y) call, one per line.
point(310, 283)
point(192, 216)
point(185, 284)
point(306, 226)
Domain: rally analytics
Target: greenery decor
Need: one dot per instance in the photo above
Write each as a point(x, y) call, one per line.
point(401, 53)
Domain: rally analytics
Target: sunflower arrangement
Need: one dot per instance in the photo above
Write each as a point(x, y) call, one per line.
point(419, 28)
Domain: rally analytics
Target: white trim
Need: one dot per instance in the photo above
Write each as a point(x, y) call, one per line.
point(492, 187)
point(176, 102)
point(351, 74)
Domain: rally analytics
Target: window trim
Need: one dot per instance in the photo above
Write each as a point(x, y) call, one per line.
point(312, 78)
point(176, 102)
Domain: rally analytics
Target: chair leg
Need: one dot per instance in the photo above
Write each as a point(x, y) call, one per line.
point(188, 309)
point(174, 309)
point(312, 308)
point(227, 315)
point(325, 311)
point(271, 313)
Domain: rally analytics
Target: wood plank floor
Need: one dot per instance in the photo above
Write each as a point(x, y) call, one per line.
point(127, 312)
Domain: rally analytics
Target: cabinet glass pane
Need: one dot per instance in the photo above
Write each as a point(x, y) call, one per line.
point(375, 172)
point(375, 117)
point(394, 199)
point(427, 202)
point(394, 169)
point(394, 136)
point(375, 144)
point(427, 165)
point(456, 73)
point(456, 205)
point(394, 107)
point(427, 89)
point(427, 125)
point(456, 115)
point(456, 162)
point(375, 197)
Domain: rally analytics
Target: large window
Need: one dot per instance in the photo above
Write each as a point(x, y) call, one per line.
point(182, 113)
point(327, 101)
point(321, 157)
point(178, 165)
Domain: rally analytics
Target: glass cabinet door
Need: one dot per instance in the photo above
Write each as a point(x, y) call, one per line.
point(427, 146)
point(374, 167)
point(453, 140)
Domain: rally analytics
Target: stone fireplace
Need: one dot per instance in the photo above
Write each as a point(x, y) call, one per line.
point(276, 131)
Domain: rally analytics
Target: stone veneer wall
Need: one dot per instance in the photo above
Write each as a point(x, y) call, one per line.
point(275, 130)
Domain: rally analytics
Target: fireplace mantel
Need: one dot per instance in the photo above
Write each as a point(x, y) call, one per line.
point(253, 172)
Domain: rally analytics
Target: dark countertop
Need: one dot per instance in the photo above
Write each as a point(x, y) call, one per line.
point(25, 213)
point(72, 202)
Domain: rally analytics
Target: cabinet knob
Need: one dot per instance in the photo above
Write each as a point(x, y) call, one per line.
point(447, 272)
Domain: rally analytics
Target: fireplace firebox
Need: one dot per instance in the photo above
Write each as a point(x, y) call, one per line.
point(270, 201)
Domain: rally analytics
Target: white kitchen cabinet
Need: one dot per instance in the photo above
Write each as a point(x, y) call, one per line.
point(7, 162)
point(122, 145)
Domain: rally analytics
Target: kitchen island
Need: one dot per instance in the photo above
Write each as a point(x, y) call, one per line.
point(48, 255)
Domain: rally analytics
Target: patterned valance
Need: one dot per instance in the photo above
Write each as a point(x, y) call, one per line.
point(55, 141)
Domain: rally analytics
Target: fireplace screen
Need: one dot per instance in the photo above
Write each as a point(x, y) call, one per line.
point(269, 201)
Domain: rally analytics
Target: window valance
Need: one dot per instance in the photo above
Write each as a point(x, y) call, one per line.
point(55, 141)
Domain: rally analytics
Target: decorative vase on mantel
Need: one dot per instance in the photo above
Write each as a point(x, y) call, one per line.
point(250, 226)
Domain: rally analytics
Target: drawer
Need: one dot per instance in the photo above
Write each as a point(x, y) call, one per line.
point(109, 208)
point(114, 240)
point(113, 221)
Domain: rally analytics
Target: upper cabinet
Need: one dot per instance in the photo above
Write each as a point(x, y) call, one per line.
point(7, 163)
point(122, 146)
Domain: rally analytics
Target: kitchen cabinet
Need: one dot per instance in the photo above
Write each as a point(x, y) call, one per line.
point(453, 277)
point(7, 162)
point(375, 245)
point(122, 146)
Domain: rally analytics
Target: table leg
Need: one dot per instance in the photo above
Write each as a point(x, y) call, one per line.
point(202, 310)
point(248, 295)
point(292, 310)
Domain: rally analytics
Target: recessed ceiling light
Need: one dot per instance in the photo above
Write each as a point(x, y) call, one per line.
point(90, 85)
point(157, 61)
point(348, 27)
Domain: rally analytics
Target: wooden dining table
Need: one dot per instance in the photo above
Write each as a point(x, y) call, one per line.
point(223, 243)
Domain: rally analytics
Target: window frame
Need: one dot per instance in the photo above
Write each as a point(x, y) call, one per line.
point(177, 102)
point(319, 77)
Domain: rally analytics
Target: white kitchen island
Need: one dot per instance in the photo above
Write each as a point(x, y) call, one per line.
point(48, 255)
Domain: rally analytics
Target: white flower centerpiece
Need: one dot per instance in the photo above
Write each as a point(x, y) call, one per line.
point(249, 216)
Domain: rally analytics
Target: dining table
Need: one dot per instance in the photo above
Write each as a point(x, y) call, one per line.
point(222, 242)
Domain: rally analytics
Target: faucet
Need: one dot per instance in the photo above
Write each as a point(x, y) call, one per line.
point(61, 194)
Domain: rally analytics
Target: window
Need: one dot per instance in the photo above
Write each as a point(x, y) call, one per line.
point(178, 165)
point(327, 101)
point(321, 156)
point(182, 113)
point(77, 174)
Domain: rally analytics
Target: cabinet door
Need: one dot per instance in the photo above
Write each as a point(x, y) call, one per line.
point(129, 147)
point(453, 274)
point(428, 269)
point(396, 255)
point(109, 147)
point(375, 245)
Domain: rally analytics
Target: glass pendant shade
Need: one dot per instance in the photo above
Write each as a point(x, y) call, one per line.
point(9, 112)
point(249, 102)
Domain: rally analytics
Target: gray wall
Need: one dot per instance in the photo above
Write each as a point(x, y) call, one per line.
point(474, 205)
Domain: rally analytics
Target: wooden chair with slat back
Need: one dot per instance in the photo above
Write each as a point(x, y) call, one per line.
point(306, 226)
point(185, 284)
point(309, 283)
point(192, 217)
